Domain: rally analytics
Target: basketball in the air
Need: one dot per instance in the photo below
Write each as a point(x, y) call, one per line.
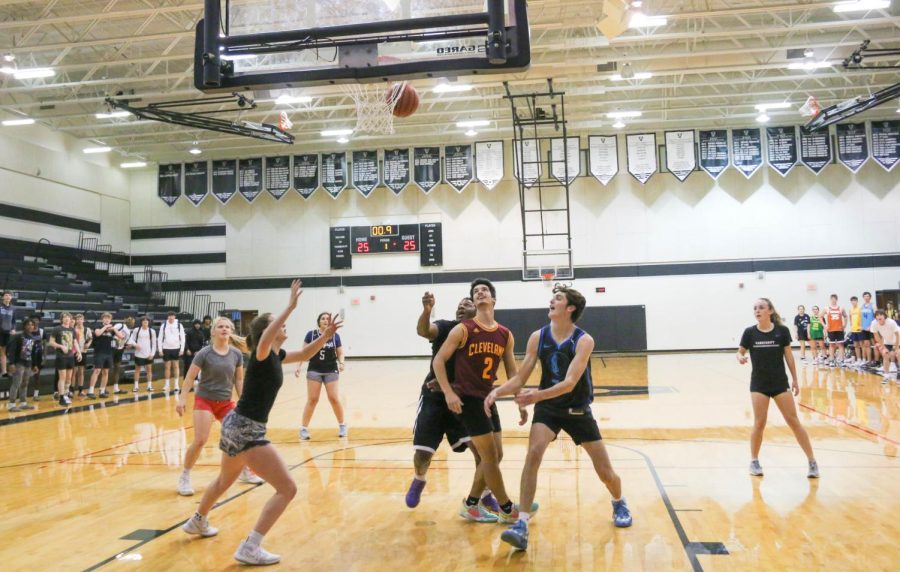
point(405, 99)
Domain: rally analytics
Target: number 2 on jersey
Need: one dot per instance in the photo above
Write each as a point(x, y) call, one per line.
point(488, 365)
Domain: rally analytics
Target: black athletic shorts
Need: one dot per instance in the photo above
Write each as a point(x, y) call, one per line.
point(171, 355)
point(434, 420)
point(802, 334)
point(186, 361)
point(103, 361)
point(835, 337)
point(117, 356)
point(65, 362)
point(473, 418)
point(770, 389)
point(143, 361)
point(4, 338)
point(578, 423)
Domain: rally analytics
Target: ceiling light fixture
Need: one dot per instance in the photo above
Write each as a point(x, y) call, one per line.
point(637, 75)
point(471, 133)
point(133, 165)
point(619, 124)
point(95, 150)
point(343, 140)
point(289, 99)
point(336, 132)
point(7, 69)
point(14, 122)
point(623, 114)
point(473, 123)
point(195, 151)
point(762, 107)
point(445, 87)
point(641, 20)
point(762, 118)
point(33, 73)
point(9, 57)
point(861, 5)
point(112, 114)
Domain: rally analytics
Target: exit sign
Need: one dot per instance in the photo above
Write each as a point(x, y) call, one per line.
point(600, 289)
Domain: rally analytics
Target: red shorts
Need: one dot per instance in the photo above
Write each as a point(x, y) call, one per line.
point(218, 408)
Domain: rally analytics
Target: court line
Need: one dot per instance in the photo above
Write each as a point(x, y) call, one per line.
point(93, 406)
point(228, 500)
point(853, 425)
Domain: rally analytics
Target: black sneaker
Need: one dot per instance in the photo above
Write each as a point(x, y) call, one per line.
point(104, 394)
point(62, 402)
point(91, 396)
point(119, 392)
point(55, 396)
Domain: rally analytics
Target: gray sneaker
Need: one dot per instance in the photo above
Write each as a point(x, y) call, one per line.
point(304, 434)
point(342, 430)
point(255, 555)
point(755, 468)
point(199, 525)
point(813, 472)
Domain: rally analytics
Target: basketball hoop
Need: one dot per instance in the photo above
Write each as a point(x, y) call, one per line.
point(810, 108)
point(284, 122)
point(548, 277)
point(374, 106)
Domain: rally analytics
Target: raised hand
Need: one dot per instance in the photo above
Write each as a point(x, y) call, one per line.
point(295, 293)
point(335, 323)
point(428, 301)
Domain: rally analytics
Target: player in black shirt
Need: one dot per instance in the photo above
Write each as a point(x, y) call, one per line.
point(801, 321)
point(562, 403)
point(769, 344)
point(243, 436)
point(105, 337)
point(434, 420)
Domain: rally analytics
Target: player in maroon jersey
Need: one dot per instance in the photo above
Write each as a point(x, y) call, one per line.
point(477, 347)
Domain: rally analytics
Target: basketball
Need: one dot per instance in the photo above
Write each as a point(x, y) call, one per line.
point(406, 99)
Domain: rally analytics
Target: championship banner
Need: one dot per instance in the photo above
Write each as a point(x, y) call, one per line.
point(459, 169)
point(306, 174)
point(334, 173)
point(641, 156)
point(781, 148)
point(364, 177)
point(681, 155)
point(396, 169)
point(168, 183)
point(714, 157)
point(528, 162)
point(603, 156)
point(278, 175)
point(427, 167)
point(746, 151)
point(886, 143)
point(815, 149)
point(489, 163)
point(196, 181)
point(560, 152)
point(250, 174)
point(224, 179)
point(852, 145)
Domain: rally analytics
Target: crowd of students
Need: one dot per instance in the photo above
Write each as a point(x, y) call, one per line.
point(873, 340)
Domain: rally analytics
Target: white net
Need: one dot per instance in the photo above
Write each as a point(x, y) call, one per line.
point(374, 105)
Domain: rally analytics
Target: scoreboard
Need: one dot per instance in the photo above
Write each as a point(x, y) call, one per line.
point(387, 238)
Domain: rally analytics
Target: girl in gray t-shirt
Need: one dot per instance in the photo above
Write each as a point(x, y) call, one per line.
point(221, 369)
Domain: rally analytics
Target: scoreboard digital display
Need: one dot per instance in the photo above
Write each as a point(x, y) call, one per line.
point(424, 238)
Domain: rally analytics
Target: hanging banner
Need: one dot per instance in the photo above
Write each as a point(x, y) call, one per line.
point(306, 174)
point(426, 167)
point(396, 169)
point(489, 163)
point(714, 152)
point(458, 166)
point(886, 143)
point(528, 161)
point(852, 145)
point(815, 149)
point(224, 179)
point(168, 183)
point(781, 148)
point(250, 175)
point(603, 156)
point(196, 181)
point(365, 171)
point(334, 173)
point(278, 175)
point(572, 147)
point(746, 150)
point(641, 156)
point(681, 155)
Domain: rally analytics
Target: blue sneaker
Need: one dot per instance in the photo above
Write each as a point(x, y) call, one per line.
point(516, 535)
point(621, 514)
point(414, 494)
point(489, 503)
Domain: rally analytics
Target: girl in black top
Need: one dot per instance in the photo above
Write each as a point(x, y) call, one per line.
point(769, 344)
point(801, 321)
point(7, 328)
point(243, 433)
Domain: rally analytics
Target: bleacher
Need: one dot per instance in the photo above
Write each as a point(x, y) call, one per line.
point(47, 280)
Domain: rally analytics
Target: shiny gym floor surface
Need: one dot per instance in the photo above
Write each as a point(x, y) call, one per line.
point(95, 487)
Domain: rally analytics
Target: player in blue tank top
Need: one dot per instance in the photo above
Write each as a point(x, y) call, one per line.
point(562, 403)
point(868, 316)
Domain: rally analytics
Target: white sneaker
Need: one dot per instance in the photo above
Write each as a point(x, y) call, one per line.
point(166, 387)
point(304, 434)
point(199, 525)
point(342, 430)
point(255, 555)
point(184, 485)
point(248, 476)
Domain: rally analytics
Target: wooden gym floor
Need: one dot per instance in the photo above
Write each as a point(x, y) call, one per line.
point(95, 488)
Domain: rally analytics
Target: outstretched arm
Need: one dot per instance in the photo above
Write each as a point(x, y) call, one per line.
point(265, 341)
point(517, 380)
point(309, 350)
point(424, 327)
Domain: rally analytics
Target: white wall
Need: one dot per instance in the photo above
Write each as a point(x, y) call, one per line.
point(44, 170)
point(768, 216)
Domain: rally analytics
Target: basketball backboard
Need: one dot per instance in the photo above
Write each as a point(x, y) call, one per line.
point(275, 44)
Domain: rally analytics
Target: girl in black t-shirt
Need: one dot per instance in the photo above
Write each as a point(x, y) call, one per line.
point(769, 344)
point(801, 321)
point(243, 435)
